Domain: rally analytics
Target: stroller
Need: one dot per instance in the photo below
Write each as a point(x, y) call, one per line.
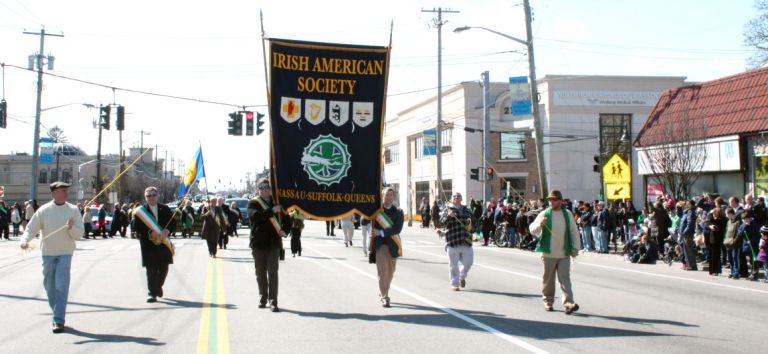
point(672, 251)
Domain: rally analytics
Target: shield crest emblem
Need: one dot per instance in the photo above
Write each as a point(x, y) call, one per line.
point(362, 113)
point(290, 109)
point(314, 111)
point(339, 112)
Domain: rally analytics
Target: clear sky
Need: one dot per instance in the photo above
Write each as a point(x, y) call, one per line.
point(211, 50)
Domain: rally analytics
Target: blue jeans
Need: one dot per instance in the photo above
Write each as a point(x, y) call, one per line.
point(596, 238)
point(56, 283)
point(734, 261)
point(586, 238)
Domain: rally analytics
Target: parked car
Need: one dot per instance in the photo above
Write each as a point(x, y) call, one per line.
point(242, 204)
point(95, 221)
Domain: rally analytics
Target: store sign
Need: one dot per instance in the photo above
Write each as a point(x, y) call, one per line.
point(429, 142)
point(46, 151)
point(520, 92)
point(722, 154)
point(605, 98)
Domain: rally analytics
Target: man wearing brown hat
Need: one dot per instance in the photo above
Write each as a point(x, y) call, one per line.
point(558, 241)
point(59, 224)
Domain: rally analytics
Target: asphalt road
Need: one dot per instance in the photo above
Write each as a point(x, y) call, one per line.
point(329, 301)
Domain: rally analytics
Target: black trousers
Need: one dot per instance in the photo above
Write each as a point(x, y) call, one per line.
point(329, 228)
point(156, 274)
point(223, 240)
point(211, 247)
point(296, 241)
point(266, 263)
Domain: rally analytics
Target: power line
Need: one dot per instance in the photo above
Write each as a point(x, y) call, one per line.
point(198, 100)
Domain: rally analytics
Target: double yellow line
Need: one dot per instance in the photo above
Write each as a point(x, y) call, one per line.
point(214, 334)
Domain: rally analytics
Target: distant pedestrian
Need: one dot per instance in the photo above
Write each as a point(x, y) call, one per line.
point(424, 210)
point(386, 246)
point(559, 240)
point(15, 219)
point(435, 210)
point(5, 221)
point(365, 227)
point(151, 220)
point(60, 225)
point(297, 225)
point(212, 225)
point(348, 228)
point(457, 222)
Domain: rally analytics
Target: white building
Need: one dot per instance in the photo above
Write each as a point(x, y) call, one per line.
point(573, 109)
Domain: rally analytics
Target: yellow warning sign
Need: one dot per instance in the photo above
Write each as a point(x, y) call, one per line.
point(615, 191)
point(616, 171)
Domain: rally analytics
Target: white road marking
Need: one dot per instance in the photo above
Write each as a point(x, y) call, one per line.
point(575, 263)
point(509, 338)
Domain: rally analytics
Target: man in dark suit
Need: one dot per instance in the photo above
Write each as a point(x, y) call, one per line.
point(155, 254)
point(266, 242)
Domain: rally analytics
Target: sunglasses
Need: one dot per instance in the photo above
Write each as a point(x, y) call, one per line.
point(263, 187)
point(150, 195)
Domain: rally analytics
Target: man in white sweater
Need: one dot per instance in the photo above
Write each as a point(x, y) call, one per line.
point(59, 224)
point(558, 241)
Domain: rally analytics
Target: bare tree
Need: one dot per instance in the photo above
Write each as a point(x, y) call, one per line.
point(57, 134)
point(756, 35)
point(678, 157)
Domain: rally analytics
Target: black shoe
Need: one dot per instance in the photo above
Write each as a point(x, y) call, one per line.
point(57, 328)
point(274, 308)
point(350, 243)
point(151, 299)
point(160, 294)
point(385, 302)
point(571, 309)
point(462, 283)
point(346, 244)
point(262, 305)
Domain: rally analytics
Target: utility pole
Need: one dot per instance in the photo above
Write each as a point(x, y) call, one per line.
point(535, 104)
point(486, 136)
point(36, 144)
point(439, 24)
point(98, 157)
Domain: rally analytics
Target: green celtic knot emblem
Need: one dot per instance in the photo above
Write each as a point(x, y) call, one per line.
point(326, 160)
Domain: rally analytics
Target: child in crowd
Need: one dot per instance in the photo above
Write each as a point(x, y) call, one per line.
point(762, 256)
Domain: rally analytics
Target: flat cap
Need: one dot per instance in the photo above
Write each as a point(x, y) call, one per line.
point(58, 184)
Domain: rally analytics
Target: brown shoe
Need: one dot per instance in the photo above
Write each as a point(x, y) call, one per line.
point(571, 309)
point(462, 282)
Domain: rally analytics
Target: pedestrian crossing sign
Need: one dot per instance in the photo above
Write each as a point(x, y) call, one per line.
point(616, 171)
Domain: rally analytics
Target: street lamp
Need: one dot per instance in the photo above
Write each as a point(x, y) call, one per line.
point(534, 92)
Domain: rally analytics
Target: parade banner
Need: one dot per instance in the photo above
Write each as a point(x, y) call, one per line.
point(326, 109)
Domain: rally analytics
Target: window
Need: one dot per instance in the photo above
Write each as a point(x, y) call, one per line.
point(43, 178)
point(445, 140)
point(419, 147)
point(66, 176)
point(516, 189)
point(54, 175)
point(391, 154)
point(615, 136)
point(512, 145)
point(422, 191)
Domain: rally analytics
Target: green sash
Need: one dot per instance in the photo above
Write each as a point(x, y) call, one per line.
point(546, 233)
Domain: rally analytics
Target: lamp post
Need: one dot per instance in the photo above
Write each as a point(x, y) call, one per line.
point(534, 92)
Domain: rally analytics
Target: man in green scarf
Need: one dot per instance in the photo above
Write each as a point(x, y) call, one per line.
point(558, 241)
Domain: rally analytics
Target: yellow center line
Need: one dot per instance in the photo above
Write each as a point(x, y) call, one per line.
point(213, 336)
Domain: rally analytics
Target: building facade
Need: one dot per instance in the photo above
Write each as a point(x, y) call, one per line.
point(721, 125)
point(582, 116)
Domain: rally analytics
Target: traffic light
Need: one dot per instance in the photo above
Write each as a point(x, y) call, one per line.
point(120, 118)
point(596, 166)
point(259, 123)
point(3, 114)
point(235, 124)
point(489, 173)
point(249, 123)
point(104, 116)
point(474, 173)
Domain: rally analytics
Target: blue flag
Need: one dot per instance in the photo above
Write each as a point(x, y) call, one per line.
point(195, 170)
